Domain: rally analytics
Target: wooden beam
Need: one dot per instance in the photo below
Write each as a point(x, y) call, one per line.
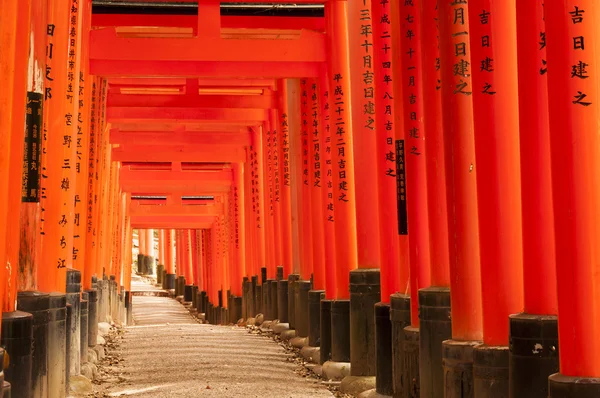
point(185, 138)
point(181, 153)
point(214, 209)
point(129, 114)
point(176, 222)
point(193, 101)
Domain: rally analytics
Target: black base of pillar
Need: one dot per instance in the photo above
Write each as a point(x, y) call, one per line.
point(314, 317)
point(68, 340)
point(180, 290)
point(279, 275)
point(340, 330)
point(74, 300)
point(37, 304)
point(6, 390)
point(560, 386)
point(273, 300)
point(202, 302)
point(1, 368)
point(325, 350)
point(410, 367)
point(301, 312)
point(128, 308)
point(17, 340)
point(140, 264)
point(92, 317)
point(159, 273)
point(149, 268)
point(400, 318)
point(434, 328)
point(247, 299)
point(169, 281)
point(292, 279)
point(255, 305)
point(57, 344)
point(457, 359)
point(384, 383)
point(187, 293)
point(258, 300)
point(194, 297)
point(282, 301)
point(365, 292)
point(533, 355)
point(266, 301)
point(236, 309)
point(83, 328)
point(490, 371)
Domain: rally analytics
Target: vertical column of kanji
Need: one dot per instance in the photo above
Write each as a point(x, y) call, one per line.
point(305, 224)
point(28, 236)
point(56, 187)
point(343, 179)
point(496, 122)
point(105, 171)
point(83, 142)
point(529, 371)
point(285, 175)
point(189, 271)
point(461, 193)
point(127, 256)
point(276, 186)
point(238, 232)
point(259, 174)
point(327, 200)
point(250, 210)
point(205, 261)
point(573, 48)
point(366, 279)
point(268, 196)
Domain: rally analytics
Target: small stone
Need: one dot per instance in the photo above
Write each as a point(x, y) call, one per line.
point(92, 356)
point(100, 340)
point(100, 352)
point(103, 328)
point(80, 385)
point(260, 318)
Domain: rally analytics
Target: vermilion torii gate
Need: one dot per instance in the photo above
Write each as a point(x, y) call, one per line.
point(409, 187)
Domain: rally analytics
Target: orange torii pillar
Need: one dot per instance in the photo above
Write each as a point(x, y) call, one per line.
point(149, 259)
point(269, 222)
point(160, 267)
point(365, 281)
point(15, 24)
point(180, 264)
point(188, 266)
point(128, 259)
point(300, 143)
point(327, 214)
point(394, 273)
point(250, 233)
point(316, 167)
point(259, 186)
point(141, 250)
point(496, 122)
point(283, 150)
point(195, 265)
point(573, 45)
point(238, 283)
point(199, 270)
point(528, 370)
point(461, 195)
point(169, 279)
point(343, 179)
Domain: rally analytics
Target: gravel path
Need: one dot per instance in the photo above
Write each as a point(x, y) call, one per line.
point(168, 354)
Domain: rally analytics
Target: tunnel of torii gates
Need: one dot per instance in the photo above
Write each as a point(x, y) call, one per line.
point(412, 185)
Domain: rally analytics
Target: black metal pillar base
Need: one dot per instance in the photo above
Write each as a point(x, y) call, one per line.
point(457, 359)
point(365, 292)
point(150, 262)
point(140, 264)
point(194, 297)
point(17, 340)
point(325, 350)
point(255, 309)
point(301, 316)
point(258, 300)
point(434, 328)
point(57, 344)
point(490, 371)
point(92, 317)
point(236, 309)
point(83, 328)
point(180, 286)
point(163, 278)
point(533, 355)
point(340, 330)
point(248, 299)
point(266, 301)
point(74, 300)
point(384, 383)
point(68, 340)
point(410, 368)
point(170, 281)
point(128, 307)
point(37, 304)
point(245, 298)
point(202, 308)
point(187, 293)
point(273, 300)
point(292, 279)
point(560, 386)
point(159, 272)
point(282, 301)
point(314, 317)
point(400, 318)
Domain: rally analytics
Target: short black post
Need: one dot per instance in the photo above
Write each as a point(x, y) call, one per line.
point(17, 340)
point(159, 272)
point(57, 344)
point(533, 355)
point(561, 386)
point(236, 308)
point(301, 312)
point(140, 264)
point(68, 340)
point(128, 307)
point(273, 299)
point(255, 309)
point(258, 299)
point(410, 369)
point(490, 371)
point(314, 317)
point(282, 301)
point(266, 300)
point(279, 275)
point(434, 328)
point(400, 318)
point(187, 293)
point(457, 359)
point(291, 289)
point(263, 275)
point(384, 383)
point(340, 330)
point(365, 292)
point(83, 328)
point(169, 281)
point(37, 304)
point(325, 350)
point(92, 317)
